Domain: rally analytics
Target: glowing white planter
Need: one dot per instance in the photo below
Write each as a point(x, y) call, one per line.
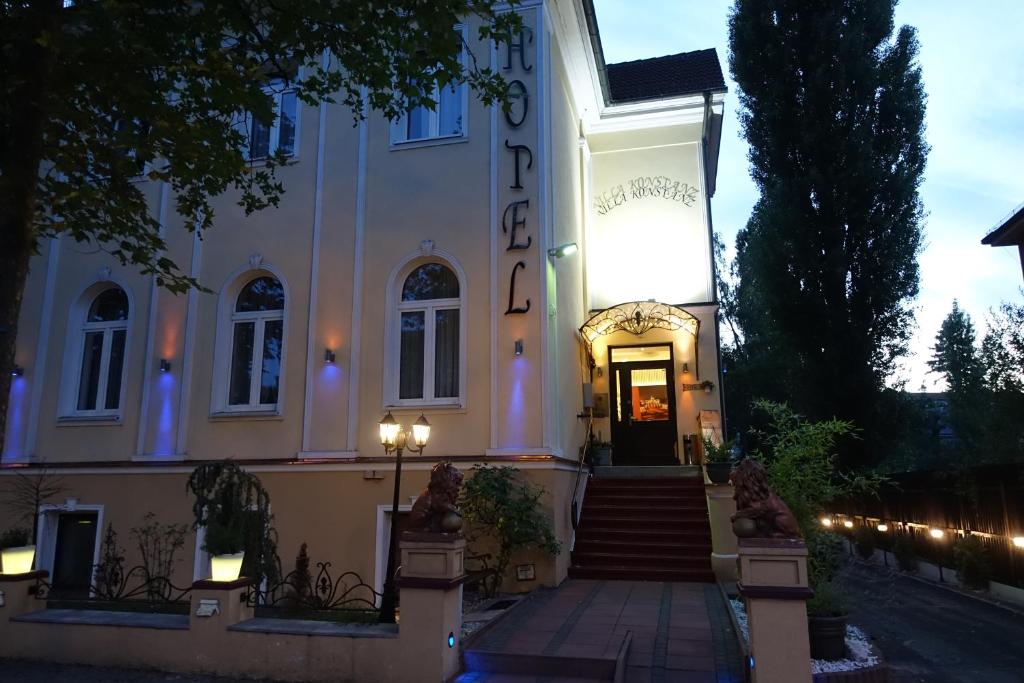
point(17, 560)
point(226, 567)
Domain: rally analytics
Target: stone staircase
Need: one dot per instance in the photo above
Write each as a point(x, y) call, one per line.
point(644, 528)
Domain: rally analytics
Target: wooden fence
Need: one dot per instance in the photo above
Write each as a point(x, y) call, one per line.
point(986, 501)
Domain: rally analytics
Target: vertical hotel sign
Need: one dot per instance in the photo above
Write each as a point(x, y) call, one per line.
point(516, 225)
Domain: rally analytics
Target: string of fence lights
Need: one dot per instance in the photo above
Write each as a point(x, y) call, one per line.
point(828, 521)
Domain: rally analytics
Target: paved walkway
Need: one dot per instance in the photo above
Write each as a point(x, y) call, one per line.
point(680, 632)
point(929, 634)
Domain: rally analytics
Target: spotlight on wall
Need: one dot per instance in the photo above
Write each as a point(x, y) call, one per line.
point(17, 371)
point(1018, 541)
point(848, 524)
point(567, 249)
point(165, 365)
point(936, 533)
point(329, 355)
point(519, 347)
point(883, 527)
point(826, 521)
point(686, 367)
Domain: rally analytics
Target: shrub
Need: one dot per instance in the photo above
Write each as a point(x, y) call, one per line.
point(15, 538)
point(972, 565)
point(225, 535)
point(110, 570)
point(716, 453)
point(903, 551)
point(498, 503)
point(828, 601)
point(864, 542)
point(158, 544)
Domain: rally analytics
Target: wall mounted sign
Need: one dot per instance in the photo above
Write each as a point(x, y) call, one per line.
point(514, 218)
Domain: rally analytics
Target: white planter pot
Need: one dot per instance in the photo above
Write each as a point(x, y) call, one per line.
point(226, 567)
point(17, 560)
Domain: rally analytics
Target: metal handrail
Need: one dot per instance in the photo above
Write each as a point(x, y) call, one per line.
point(574, 504)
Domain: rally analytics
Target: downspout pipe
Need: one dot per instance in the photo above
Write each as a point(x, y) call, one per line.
point(714, 266)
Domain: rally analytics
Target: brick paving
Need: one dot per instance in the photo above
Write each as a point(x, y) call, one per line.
point(680, 633)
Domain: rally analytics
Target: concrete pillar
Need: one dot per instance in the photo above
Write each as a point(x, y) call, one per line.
point(430, 619)
point(214, 606)
point(773, 584)
point(17, 595)
point(721, 508)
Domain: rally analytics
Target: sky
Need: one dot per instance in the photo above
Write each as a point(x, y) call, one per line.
point(972, 59)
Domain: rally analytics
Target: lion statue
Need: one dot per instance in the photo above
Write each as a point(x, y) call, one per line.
point(435, 509)
point(756, 501)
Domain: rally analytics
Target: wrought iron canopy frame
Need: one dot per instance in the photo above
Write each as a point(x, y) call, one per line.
point(638, 317)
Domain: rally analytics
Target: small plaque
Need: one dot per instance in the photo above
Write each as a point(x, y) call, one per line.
point(526, 572)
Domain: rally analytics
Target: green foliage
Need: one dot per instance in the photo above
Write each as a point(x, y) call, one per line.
point(24, 494)
point(15, 538)
point(158, 543)
point(824, 556)
point(972, 562)
point(799, 456)
point(235, 509)
point(954, 355)
point(904, 552)
point(832, 103)
point(864, 541)
point(500, 505)
point(716, 453)
point(828, 601)
point(225, 536)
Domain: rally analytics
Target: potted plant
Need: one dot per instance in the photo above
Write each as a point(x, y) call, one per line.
point(601, 452)
point(717, 460)
point(827, 614)
point(225, 542)
point(15, 552)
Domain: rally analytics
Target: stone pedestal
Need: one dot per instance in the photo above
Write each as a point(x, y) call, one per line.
point(721, 508)
point(773, 584)
point(17, 595)
point(430, 620)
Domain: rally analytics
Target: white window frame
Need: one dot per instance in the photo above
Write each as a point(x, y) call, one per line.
point(400, 126)
point(78, 328)
point(393, 336)
point(275, 88)
point(224, 347)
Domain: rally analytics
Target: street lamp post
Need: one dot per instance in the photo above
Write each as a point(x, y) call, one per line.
point(395, 440)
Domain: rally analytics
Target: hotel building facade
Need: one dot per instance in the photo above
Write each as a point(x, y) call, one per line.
point(423, 266)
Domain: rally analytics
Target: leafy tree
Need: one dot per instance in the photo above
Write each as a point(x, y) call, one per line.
point(95, 92)
point(25, 494)
point(832, 104)
point(499, 505)
point(1002, 349)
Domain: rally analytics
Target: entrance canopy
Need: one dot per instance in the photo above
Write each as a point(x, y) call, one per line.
point(637, 317)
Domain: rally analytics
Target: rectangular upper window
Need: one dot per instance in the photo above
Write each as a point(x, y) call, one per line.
point(281, 135)
point(446, 120)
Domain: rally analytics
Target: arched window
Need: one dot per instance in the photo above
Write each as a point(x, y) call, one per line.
point(257, 335)
point(101, 371)
point(429, 324)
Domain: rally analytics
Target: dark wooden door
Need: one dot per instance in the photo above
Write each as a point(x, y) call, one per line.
point(643, 413)
point(73, 555)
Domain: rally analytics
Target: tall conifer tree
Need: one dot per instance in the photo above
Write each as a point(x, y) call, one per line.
point(832, 104)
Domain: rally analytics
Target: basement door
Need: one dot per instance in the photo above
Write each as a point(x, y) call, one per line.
point(72, 559)
point(643, 410)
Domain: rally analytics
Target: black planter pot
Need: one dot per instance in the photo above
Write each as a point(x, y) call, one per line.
point(718, 472)
point(828, 637)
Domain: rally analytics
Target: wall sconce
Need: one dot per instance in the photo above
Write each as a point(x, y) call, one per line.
point(329, 355)
point(165, 365)
point(686, 367)
point(561, 250)
point(17, 371)
point(519, 347)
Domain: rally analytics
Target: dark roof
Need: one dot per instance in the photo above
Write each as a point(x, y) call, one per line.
point(686, 73)
point(1010, 232)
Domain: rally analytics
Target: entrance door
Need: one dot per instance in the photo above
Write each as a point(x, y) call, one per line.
point(73, 554)
point(643, 409)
